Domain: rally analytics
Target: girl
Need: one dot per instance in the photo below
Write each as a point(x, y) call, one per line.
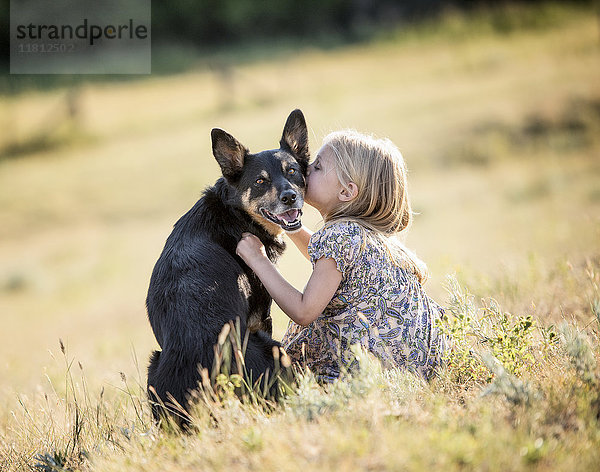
point(365, 287)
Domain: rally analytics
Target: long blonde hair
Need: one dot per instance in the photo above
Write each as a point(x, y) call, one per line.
point(382, 206)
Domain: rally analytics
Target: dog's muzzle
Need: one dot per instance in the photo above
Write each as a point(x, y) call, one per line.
point(289, 220)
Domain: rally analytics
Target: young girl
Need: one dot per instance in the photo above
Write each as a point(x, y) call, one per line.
point(365, 287)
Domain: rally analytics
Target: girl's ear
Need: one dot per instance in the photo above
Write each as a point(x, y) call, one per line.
point(348, 194)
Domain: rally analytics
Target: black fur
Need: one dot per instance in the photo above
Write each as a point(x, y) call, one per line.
point(199, 283)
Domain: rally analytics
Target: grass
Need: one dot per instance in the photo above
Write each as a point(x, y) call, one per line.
point(538, 408)
point(500, 133)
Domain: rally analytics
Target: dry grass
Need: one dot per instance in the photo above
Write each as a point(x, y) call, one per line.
point(501, 133)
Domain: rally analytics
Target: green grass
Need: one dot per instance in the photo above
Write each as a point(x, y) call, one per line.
point(500, 133)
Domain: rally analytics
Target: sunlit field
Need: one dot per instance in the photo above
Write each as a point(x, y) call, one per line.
point(501, 134)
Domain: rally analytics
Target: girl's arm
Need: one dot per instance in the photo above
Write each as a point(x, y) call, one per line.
point(300, 239)
point(302, 308)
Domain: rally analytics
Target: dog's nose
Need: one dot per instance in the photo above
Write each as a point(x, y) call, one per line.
point(288, 197)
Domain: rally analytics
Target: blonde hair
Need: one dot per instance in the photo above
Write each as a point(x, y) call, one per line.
point(382, 206)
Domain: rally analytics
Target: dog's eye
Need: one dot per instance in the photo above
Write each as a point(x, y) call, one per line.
point(291, 171)
point(260, 181)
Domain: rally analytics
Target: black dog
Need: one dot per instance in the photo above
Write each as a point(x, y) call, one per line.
point(199, 283)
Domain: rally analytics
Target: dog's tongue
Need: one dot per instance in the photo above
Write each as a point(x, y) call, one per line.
point(289, 216)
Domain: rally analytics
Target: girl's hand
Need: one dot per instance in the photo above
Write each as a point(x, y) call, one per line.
point(305, 307)
point(250, 249)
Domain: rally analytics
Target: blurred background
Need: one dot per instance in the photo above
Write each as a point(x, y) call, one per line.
point(495, 106)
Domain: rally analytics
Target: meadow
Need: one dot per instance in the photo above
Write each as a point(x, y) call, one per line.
point(500, 129)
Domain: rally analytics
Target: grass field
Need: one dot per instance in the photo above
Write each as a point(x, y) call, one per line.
point(501, 133)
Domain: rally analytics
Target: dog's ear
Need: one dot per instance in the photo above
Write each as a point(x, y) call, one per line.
point(228, 152)
point(295, 136)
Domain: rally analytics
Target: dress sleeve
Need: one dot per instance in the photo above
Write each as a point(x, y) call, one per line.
point(341, 242)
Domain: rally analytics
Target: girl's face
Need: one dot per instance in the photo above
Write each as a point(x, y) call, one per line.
point(323, 186)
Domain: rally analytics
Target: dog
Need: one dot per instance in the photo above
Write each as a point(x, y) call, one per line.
point(199, 283)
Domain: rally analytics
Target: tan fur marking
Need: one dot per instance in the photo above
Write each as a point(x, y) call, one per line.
point(244, 285)
point(246, 198)
point(254, 323)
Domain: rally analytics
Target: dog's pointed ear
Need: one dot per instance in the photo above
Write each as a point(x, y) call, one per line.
point(228, 152)
point(295, 136)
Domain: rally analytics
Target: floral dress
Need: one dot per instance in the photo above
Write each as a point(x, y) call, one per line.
point(379, 305)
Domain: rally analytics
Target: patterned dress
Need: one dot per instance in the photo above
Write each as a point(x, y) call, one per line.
point(378, 305)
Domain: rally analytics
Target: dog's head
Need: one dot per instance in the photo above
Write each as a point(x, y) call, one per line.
point(270, 184)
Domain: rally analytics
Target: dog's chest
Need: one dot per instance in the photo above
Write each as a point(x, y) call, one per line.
point(259, 302)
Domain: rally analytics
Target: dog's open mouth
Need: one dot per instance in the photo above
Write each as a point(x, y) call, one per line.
point(288, 220)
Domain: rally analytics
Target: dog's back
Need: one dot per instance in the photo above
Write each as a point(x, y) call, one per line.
point(199, 283)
